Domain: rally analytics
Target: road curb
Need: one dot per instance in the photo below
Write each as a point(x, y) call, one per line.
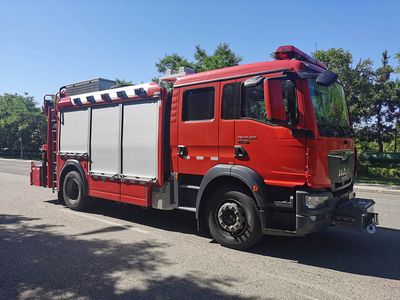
point(378, 190)
point(16, 159)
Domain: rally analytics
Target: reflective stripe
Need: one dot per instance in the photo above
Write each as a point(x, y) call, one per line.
point(214, 158)
point(200, 157)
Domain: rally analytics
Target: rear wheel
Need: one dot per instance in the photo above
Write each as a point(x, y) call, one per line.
point(233, 218)
point(73, 191)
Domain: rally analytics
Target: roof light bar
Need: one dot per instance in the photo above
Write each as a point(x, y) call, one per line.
point(291, 52)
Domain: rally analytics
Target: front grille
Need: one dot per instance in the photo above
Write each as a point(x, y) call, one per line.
point(340, 168)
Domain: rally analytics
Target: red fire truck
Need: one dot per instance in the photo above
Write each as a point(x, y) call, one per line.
point(262, 148)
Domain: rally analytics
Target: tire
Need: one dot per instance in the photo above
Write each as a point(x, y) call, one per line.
point(73, 191)
point(233, 218)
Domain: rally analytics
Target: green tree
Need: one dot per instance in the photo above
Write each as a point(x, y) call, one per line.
point(397, 56)
point(385, 105)
point(173, 61)
point(22, 124)
point(355, 78)
point(372, 95)
point(222, 57)
point(122, 82)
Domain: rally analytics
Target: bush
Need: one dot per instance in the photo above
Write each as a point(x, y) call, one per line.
point(382, 172)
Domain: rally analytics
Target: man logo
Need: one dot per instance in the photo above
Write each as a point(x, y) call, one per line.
point(344, 173)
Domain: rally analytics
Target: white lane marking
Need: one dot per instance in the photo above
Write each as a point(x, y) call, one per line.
point(106, 221)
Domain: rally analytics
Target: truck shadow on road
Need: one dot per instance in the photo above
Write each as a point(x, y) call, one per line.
point(39, 262)
point(375, 255)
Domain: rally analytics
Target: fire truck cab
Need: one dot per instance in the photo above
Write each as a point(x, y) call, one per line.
point(262, 148)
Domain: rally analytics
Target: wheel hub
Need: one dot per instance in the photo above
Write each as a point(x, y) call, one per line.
point(231, 217)
point(72, 189)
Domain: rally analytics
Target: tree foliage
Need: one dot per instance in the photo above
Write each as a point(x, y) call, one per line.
point(22, 124)
point(373, 95)
point(384, 114)
point(122, 82)
point(222, 57)
point(355, 78)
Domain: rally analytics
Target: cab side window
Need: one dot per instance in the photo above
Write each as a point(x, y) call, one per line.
point(253, 104)
point(231, 101)
point(198, 104)
point(290, 101)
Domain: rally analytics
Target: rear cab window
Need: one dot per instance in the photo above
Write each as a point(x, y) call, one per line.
point(198, 104)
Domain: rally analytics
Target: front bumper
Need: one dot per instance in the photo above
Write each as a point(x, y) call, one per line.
point(344, 212)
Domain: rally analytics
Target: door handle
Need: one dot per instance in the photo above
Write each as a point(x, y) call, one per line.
point(182, 150)
point(240, 152)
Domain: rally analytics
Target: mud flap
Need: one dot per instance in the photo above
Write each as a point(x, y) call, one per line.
point(355, 214)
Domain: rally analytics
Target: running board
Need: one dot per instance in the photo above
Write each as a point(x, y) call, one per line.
point(192, 209)
point(280, 232)
point(188, 186)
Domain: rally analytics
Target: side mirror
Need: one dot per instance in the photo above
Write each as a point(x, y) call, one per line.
point(274, 99)
point(326, 78)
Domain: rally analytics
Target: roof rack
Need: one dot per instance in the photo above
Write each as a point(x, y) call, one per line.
point(172, 75)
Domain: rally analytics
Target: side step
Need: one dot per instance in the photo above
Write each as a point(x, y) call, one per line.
point(192, 209)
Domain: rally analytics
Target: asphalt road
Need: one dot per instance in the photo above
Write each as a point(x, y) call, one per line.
point(120, 251)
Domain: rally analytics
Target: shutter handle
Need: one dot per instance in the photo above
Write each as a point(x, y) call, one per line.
point(182, 150)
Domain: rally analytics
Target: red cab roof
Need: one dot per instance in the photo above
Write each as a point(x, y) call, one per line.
point(239, 71)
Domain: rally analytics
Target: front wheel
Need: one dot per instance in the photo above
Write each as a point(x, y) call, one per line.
point(233, 218)
point(74, 192)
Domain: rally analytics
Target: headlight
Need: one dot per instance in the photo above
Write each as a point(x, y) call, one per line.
point(313, 201)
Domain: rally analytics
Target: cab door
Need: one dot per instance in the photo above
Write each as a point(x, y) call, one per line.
point(270, 143)
point(198, 128)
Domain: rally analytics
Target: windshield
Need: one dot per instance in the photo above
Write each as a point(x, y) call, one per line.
point(330, 109)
